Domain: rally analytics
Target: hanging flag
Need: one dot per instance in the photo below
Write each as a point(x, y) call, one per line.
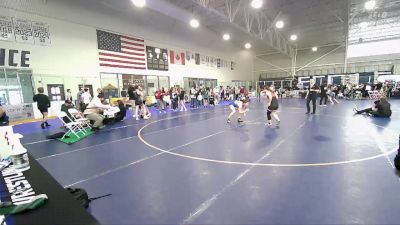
point(119, 51)
point(197, 58)
point(177, 57)
point(233, 65)
point(188, 54)
point(202, 59)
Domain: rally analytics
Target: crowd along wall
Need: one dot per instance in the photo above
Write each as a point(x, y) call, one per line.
point(71, 55)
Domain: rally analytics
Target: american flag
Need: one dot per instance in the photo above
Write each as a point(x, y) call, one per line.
point(120, 51)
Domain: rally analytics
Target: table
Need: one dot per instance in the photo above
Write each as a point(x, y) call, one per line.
point(110, 113)
point(60, 208)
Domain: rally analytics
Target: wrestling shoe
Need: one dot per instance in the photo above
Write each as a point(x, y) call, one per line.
point(228, 121)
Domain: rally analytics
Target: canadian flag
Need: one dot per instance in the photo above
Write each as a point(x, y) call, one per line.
point(177, 57)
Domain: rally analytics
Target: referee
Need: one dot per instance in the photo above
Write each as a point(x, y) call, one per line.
point(312, 91)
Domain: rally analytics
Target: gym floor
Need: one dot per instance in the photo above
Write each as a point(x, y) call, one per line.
point(194, 168)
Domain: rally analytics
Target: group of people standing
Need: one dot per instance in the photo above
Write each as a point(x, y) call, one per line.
point(174, 97)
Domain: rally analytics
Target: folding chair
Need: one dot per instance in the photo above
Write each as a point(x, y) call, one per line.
point(78, 117)
point(73, 127)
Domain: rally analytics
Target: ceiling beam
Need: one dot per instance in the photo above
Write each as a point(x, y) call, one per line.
point(319, 58)
point(264, 25)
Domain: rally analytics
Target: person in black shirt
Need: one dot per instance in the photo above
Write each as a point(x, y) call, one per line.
point(133, 97)
point(43, 104)
point(119, 116)
point(64, 107)
point(323, 94)
point(312, 96)
point(182, 99)
point(380, 108)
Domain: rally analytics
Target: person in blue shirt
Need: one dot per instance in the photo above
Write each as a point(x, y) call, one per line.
point(237, 106)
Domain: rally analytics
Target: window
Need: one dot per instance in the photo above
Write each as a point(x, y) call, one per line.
point(56, 92)
point(15, 86)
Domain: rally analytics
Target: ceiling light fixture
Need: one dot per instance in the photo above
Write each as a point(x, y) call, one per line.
point(247, 45)
point(363, 25)
point(370, 5)
point(293, 37)
point(280, 24)
point(314, 49)
point(257, 4)
point(226, 37)
point(139, 3)
point(194, 23)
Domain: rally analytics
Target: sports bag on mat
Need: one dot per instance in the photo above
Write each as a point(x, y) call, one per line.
point(82, 196)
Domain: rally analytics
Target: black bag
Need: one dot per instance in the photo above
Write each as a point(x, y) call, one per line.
point(82, 197)
point(397, 161)
point(56, 135)
point(397, 158)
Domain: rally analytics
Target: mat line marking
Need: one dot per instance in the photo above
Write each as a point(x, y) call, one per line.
point(264, 164)
point(209, 202)
point(382, 148)
point(152, 156)
point(114, 128)
point(118, 140)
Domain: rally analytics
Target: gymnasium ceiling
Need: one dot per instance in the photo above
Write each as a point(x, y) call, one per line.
point(315, 22)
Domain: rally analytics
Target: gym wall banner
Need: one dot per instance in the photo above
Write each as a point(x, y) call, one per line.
point(24, 31)
point(6, 29)
point(19, 112)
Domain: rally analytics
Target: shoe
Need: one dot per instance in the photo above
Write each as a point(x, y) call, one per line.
point(137, 118)
point(307, 112)
point(42, 125)
point(228, 121)
point(47, 124)
point(268, 124)
point(240, 120)
point(313, 113)
point(278, 123)
point(325, 105)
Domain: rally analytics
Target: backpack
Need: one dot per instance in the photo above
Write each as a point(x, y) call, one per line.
point(82, 196)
